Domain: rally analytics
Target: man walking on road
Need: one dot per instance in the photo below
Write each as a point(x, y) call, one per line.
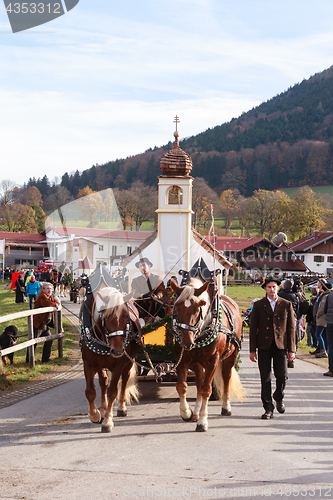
point(272, 334)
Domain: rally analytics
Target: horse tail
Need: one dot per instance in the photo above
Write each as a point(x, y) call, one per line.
point(131, 391)
point(236, 389)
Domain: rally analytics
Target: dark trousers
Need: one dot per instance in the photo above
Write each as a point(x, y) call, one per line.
point(329, 333)
point(46, 347)
point(32, 299)
point(279, 357)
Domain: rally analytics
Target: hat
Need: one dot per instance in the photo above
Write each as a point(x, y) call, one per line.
point(288, 284)
point(268, 279)
point(144, 259)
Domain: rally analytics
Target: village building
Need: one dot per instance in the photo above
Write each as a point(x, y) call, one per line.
point(23, 249)
point(315, 251)
point(258, 256)
point(76, 245)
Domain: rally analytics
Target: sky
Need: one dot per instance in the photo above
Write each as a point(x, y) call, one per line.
point(105, 80)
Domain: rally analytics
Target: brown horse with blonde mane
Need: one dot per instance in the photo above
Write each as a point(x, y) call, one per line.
point(208, 339)
point(110, 343)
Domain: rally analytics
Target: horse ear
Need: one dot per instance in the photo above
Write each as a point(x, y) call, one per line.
point(177, 289)
point(202, 289)
point(129, 296)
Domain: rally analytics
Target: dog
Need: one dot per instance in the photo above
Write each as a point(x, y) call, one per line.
point(8, 339)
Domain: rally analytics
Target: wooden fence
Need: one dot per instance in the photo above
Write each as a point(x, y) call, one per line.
point(31, 340)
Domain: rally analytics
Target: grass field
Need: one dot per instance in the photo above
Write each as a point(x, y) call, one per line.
point(19, 373)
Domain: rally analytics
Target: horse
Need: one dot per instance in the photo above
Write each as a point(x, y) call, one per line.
point(208, 338)
point(111, 342)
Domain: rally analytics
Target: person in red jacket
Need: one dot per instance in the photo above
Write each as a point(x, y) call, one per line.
point(272, 338)
point(41, 322)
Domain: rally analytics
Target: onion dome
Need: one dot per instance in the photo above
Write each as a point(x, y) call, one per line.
point(176, 163)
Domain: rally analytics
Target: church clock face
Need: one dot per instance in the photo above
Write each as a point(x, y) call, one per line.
point(175, 196)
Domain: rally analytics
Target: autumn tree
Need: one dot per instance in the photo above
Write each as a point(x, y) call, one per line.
point(227, 208)
point(126, 207)
point(262, 211)
point(90, 204)
point(202, 198)
point(145, 203)
point(306, 213)
point(31, 196)
point(16, 217)
point(59, 198)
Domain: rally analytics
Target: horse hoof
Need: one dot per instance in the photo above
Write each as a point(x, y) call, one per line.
point(188, 419)
point(195, 418)
point(97, 418)
point(225, 413)
point(121, 413)
point(106, 428)
point(201, 428)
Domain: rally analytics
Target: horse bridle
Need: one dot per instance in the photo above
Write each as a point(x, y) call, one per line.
point(177, 326)
point(125, 332)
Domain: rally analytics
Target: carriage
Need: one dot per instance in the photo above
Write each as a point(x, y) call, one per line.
point(202, 333)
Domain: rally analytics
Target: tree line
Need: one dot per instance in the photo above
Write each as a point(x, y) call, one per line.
point(263, 214)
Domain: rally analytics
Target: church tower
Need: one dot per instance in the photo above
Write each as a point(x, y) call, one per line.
point(174, 208)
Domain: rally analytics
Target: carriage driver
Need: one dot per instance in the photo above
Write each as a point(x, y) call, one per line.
point(272, 338)
point(145, 286)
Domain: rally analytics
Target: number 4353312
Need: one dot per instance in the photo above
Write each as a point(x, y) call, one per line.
point(34, 8)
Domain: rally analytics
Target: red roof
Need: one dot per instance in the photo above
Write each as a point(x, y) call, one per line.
point(88, 232)
point(309, 241)
point(270, 264)
point(234, 244)
point(22, 237)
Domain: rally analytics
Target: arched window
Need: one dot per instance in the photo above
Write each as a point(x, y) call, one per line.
point(175, 195)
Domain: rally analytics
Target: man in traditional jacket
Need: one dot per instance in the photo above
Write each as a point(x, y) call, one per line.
point(148, 287)
point(272, 337)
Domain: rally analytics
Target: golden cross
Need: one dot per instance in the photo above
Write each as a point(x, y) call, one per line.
point(176, 121)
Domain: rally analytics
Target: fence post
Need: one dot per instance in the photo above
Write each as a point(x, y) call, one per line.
point(58, 318)
point(31, 348)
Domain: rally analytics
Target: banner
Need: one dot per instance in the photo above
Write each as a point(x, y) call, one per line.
point(2, 246)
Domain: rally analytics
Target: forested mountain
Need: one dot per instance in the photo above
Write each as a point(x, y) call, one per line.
point(286, 141)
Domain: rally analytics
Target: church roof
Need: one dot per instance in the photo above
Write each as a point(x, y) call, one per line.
point(176, 163)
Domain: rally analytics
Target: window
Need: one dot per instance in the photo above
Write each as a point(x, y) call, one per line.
point(175, 196)
point(318, 258)
point(129, 250)
point(100, 248)
point(114, 250)
point(330, 258)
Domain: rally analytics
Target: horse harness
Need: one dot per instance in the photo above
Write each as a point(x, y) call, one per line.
point(98, 346)
point(205, 337)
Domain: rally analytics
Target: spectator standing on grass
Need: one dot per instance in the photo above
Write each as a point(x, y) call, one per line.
point(328, 309)
point(19, 292)
point(318, 310)
point(32, 290)
point(42, 322)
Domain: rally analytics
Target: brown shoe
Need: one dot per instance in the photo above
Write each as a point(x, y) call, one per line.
point(328, 374)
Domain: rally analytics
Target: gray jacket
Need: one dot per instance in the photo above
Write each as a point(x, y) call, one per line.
point(328, 309)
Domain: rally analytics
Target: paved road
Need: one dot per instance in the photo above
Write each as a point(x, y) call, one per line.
point(50, 449)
